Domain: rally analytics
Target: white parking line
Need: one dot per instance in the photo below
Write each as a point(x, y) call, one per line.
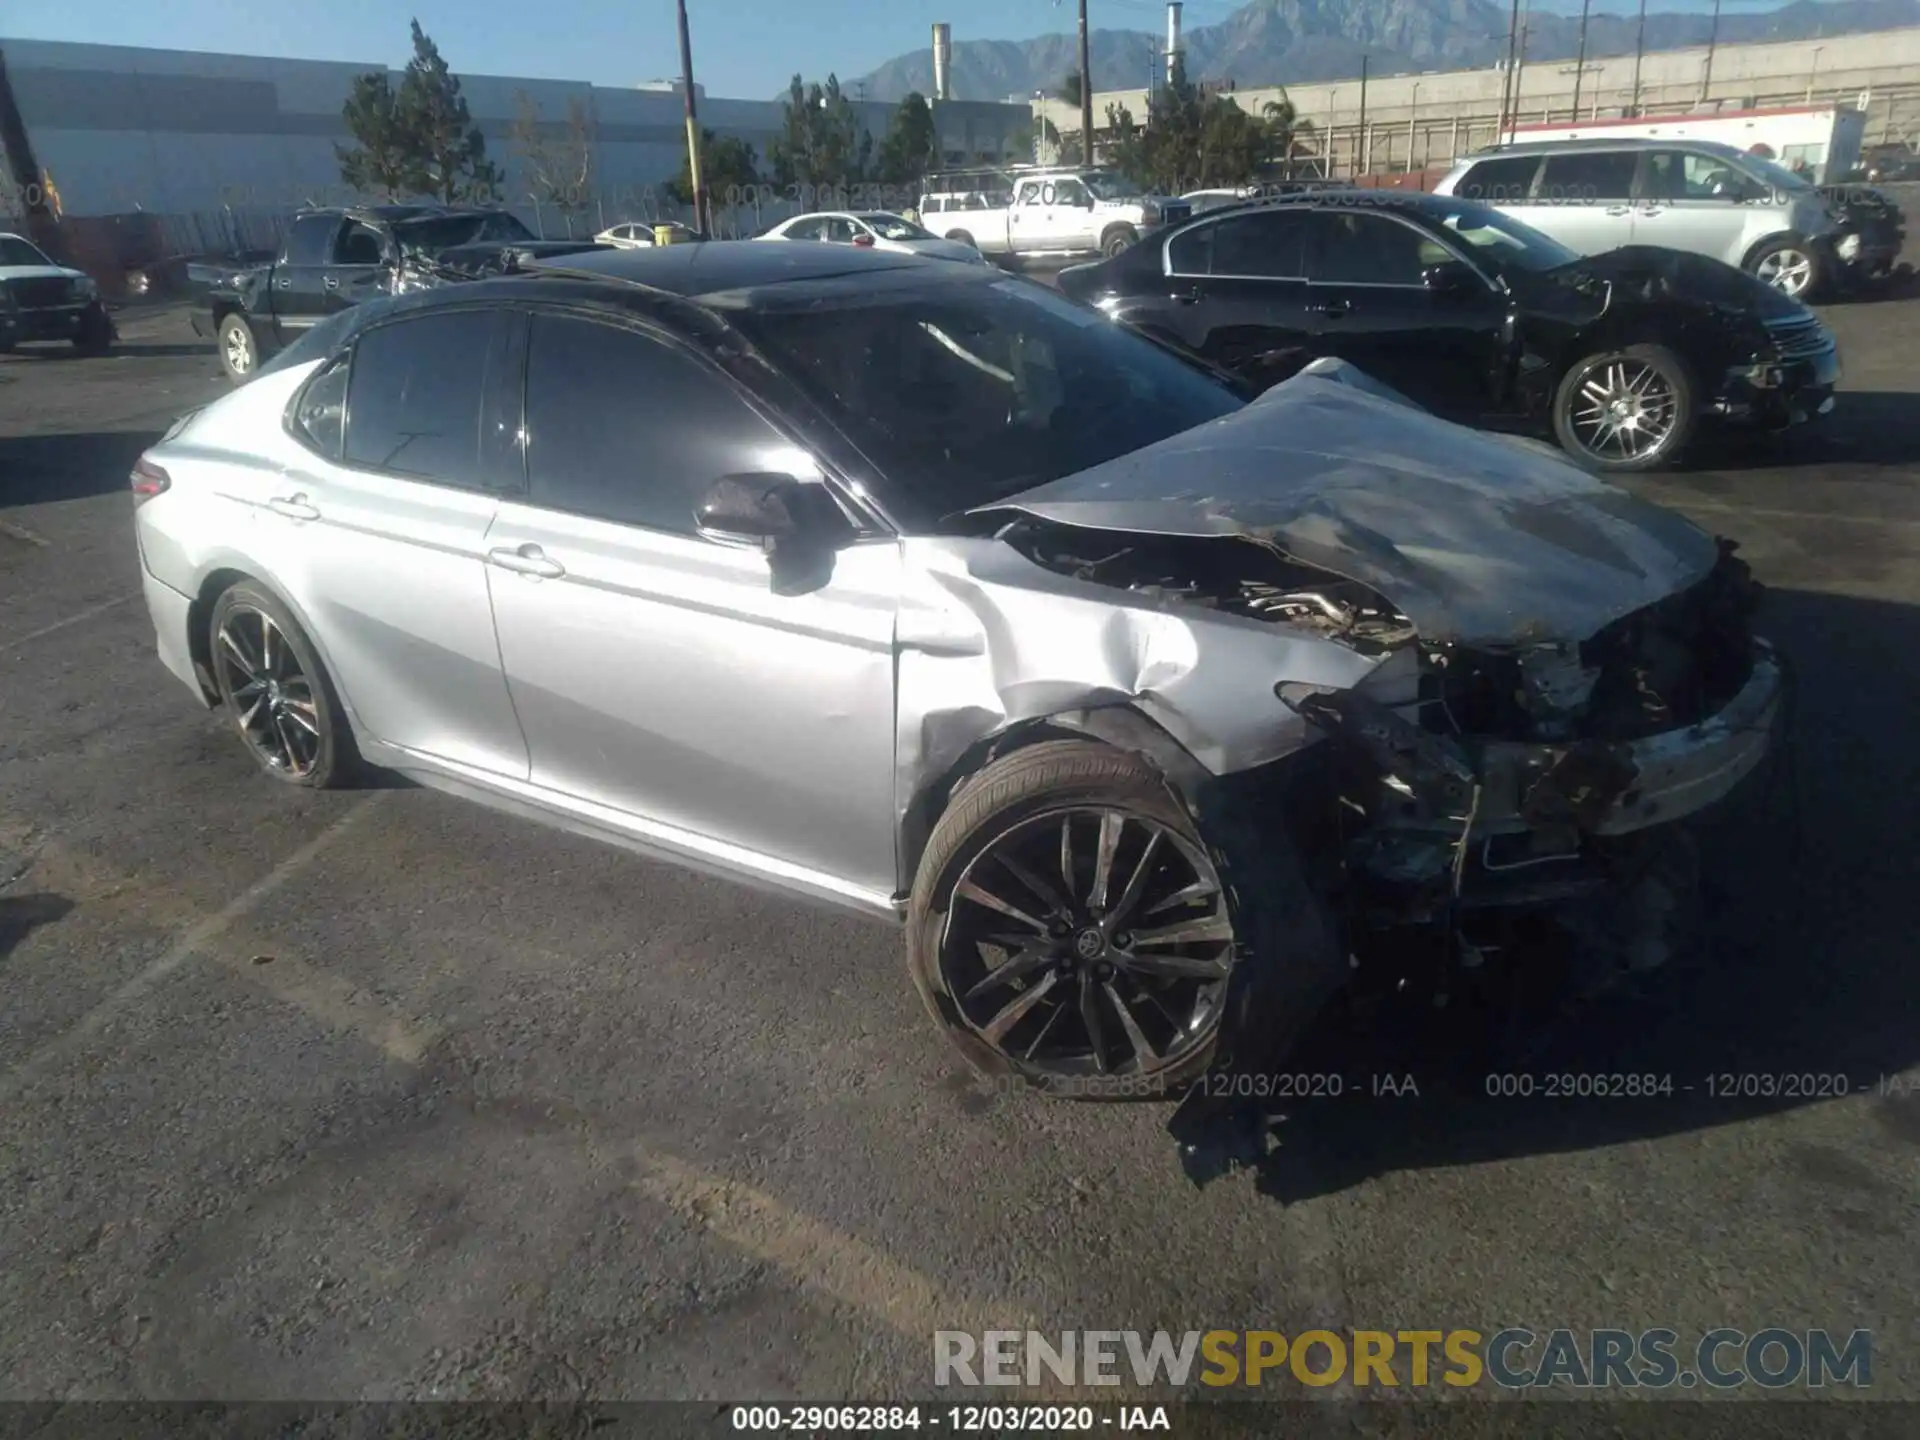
point(182, 950)
point(73, 619)
point(20, 532)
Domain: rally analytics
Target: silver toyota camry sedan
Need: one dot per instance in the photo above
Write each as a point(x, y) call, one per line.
point(1154, 711)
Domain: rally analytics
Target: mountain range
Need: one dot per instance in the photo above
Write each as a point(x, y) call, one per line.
point(1281, 42)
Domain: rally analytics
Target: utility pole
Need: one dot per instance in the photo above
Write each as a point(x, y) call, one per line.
point(1580, 65)
point(702, 221)
point(1706, 71)
point(1639, 50)
point(1361, 157)
point(1086, 92)
point(1520, 69)
point(1506, 81)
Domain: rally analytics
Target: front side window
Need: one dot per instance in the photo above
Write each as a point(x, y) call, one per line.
point(358, 245)
point(624, 427)
point(966, 394)
point(415, 397)
point(15, 251)
point(1358, 247)
point(1069, 193)
point(1030, 193)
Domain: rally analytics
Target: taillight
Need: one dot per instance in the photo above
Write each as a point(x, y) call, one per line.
point(148, 480)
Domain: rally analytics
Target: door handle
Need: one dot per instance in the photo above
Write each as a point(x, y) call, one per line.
point(1333, 309)
point(1189, 296)
point(1652, 210)
point(293, 507)
point(283, 284)
point(332, 282)
point(527, 560)
point(1618, 209)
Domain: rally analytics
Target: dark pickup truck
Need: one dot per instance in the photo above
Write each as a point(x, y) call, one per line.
point(334, 259)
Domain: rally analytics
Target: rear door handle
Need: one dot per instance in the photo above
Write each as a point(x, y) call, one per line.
point(1333, 309)
point(1618, 209)
point(294, 507)
point(332, 282)
point(283, 284)
point(527, 560)
point(1652, 210)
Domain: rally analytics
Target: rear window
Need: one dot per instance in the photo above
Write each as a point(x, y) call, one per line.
point(1491, 182)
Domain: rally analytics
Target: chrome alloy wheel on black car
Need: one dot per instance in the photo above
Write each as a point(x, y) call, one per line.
point(1089, 941)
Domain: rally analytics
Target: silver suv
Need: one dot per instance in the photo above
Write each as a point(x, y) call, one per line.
point(1695, 195)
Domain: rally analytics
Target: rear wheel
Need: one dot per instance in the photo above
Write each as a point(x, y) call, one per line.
point(1118, 240)
point(239, 351)
point(276, 693)
point(1626, 410)
point(1068, 925)
point(965, 237)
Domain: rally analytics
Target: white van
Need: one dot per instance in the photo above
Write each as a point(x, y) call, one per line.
point(1599, 195)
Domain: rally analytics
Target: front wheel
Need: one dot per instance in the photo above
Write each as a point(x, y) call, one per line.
point(1626, 410)
point(95, 336)
point(1790, 266)
point(1068, 925)
point(965, 237)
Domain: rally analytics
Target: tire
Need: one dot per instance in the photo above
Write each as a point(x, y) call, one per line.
point(1786, 258)
point(1118, 240)
point(1019, 805)
point(96, 334)
point(965, 237)
point(1609, 369)
point(300, 714)
point(239, 349)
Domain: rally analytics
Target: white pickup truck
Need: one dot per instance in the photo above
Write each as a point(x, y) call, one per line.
point(1035, 211)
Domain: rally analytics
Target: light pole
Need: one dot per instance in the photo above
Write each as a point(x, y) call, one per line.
point(1639, 50)
point(1706, 70)
point(1506, 81)
point(1413, 116)
point(1580, 65)
point(1086, 92)
point(1814, 73)
point(700, 219)
point(1364, 156)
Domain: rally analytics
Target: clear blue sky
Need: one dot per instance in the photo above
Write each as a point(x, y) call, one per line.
point(743, 48)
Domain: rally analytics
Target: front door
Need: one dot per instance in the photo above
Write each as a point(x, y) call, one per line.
point(299, 276)
point(379, 533)
point(355, 268)
point(1370, 305)
point(656, 672)
point(1237, 294)
point(1692, 202)
point(1070, 215)
point(1028, 217)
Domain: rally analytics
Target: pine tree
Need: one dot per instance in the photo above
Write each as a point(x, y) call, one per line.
point(449, 152)
point(383, 164)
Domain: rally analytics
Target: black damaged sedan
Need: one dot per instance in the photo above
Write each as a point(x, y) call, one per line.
point(1621, 357)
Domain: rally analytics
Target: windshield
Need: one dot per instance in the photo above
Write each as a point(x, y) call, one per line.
point(427, 237)
point(1773, 173)
point(1502, 241)
point(893, 227)
point(1107, 186)
point(15, 251)
point(971, 393)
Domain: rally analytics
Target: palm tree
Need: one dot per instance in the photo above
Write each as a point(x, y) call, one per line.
point(1284, 128)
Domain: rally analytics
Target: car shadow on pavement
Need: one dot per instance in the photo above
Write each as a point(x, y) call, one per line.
point(20, 915)
point(122, 349)
point(1806, 991)
point(40, 469)
point(1867, 427)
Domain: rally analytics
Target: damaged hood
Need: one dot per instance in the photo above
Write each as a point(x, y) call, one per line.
point(1653, 274)
point(1478, 539)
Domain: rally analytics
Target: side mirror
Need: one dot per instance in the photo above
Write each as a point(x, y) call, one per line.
point(761, 510)
point(1449, 277)
point(1093, 202)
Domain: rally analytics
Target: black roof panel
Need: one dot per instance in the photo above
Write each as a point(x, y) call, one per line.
point(708, 267)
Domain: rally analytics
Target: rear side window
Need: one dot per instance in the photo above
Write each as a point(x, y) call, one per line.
point(415, 396)
point(310, 241)
point(320, 409)
point(1268, 245)
point(623, 427)
point(1360, 247)
point(1585, 176)
point(1506, 180)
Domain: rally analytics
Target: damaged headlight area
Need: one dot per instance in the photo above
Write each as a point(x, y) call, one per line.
point(1476, 780)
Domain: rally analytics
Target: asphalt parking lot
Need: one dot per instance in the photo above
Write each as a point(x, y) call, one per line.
point(378, 1094)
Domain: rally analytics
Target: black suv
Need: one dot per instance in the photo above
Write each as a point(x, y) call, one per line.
point(1478, 317)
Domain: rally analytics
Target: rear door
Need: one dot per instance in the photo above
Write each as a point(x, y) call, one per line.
point(379, 531)
point(1584, 199)
point(299, 278)
point(1370, 304)
point(1027, 216)
point(656, 672)
point(355, 268)
point(1237, 293)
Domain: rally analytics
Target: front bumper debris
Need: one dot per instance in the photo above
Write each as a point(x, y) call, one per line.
point(49, 322)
